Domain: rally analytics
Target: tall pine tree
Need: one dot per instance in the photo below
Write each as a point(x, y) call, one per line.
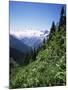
point(44, 43)
point(34, 54)
point(53, 29)
point(62, 21)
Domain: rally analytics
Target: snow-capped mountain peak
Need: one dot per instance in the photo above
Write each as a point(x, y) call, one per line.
point(27, 33)
point(33, 38)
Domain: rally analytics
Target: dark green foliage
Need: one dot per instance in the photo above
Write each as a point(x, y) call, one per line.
point(62, 11)
point(48, 67)
point(27, 58)
point(53, 29)
point(43, 43)
point(34, 54)
point(62, 21)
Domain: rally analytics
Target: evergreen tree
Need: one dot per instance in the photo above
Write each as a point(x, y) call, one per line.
point(62, 21)
point(53, 29)
point(34, 54)
point(44, 43)
point(57, 25)
point(26, 59)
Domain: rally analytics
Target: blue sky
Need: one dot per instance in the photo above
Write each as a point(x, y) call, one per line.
point(27, 15)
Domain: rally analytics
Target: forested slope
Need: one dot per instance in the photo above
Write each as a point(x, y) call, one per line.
point(49, 67)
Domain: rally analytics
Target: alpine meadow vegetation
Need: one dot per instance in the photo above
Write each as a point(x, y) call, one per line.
point(48, 65)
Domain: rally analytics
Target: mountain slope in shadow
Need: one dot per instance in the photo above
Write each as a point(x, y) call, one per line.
point(18, 50)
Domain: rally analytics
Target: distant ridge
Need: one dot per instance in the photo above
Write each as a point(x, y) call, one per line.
point(32, 38)
point(18, 49)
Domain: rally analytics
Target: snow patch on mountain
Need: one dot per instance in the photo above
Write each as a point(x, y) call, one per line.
point(27, 33)
point(33, 38)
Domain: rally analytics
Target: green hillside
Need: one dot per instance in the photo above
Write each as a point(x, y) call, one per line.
point(48, 66)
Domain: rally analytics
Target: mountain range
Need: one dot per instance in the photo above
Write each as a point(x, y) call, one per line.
point(18, 50)
point(32, 38)
point(22, 44)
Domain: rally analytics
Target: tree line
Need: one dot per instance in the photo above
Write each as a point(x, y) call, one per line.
point(60, 24)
